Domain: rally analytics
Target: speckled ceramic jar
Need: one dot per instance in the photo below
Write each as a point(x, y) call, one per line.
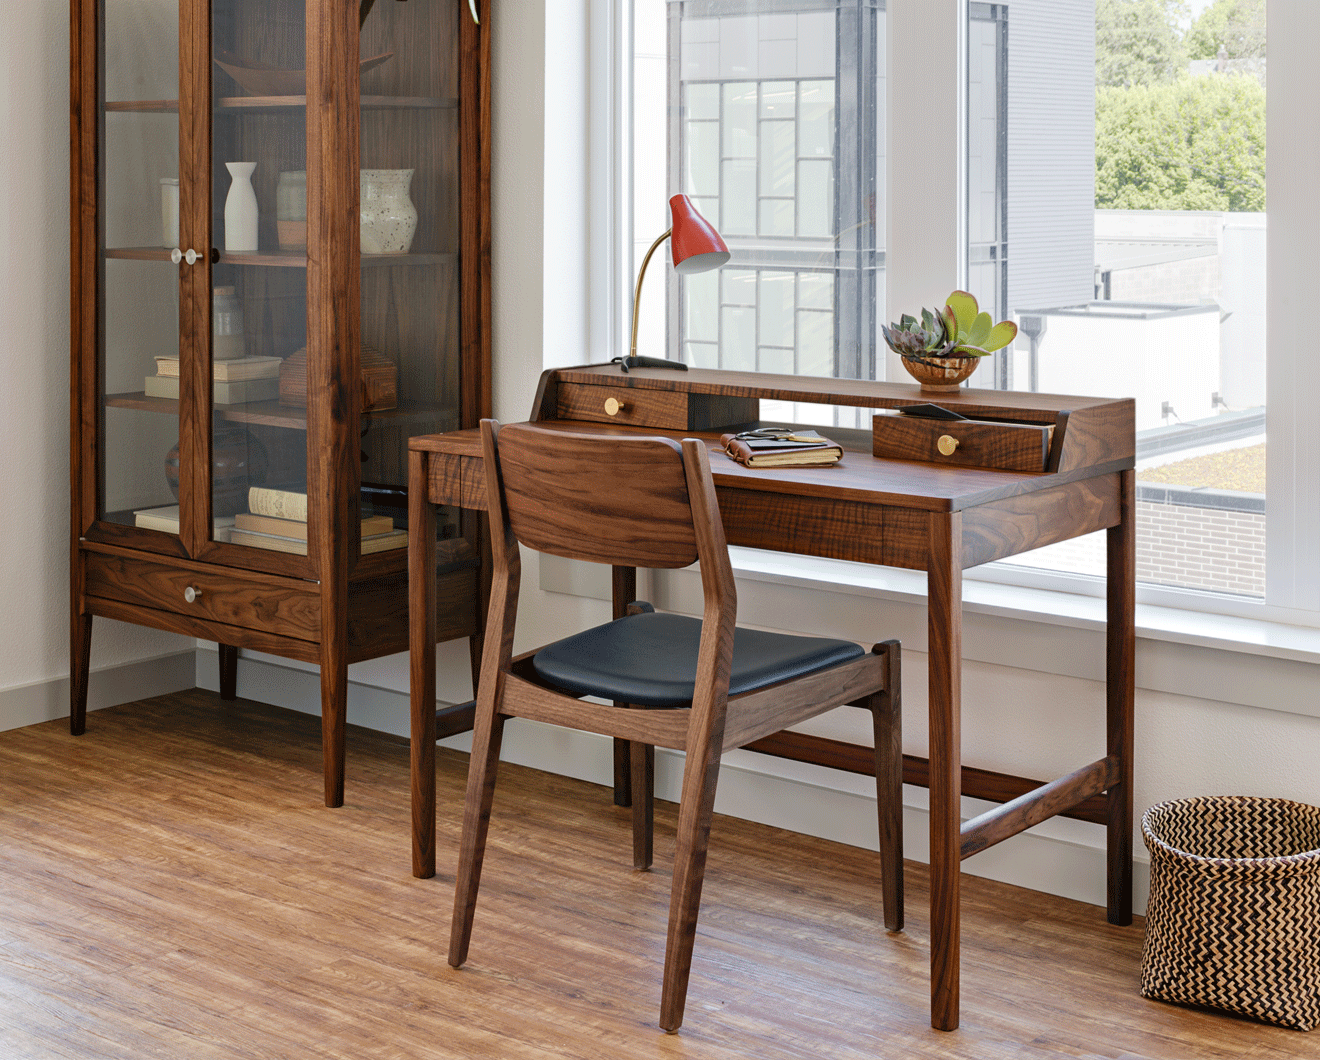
point(389, 218)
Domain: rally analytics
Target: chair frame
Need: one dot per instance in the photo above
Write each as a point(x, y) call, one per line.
point(715, 722)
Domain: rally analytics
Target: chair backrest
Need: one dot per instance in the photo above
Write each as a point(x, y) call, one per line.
point(617, 500)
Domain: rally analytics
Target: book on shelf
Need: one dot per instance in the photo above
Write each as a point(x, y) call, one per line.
point(167, 519)
point(281, 504)
point(298, 546)
point(781, 449)
point(165, 386)
point(234, 371)
point(293, 528)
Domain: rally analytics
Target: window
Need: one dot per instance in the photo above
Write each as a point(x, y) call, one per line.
point(1129, 269)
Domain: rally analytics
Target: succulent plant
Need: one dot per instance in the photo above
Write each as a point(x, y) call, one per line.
point(959, 329)
point(927, 337)
point(974, 333)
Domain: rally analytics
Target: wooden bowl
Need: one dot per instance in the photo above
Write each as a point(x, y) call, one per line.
point(262, 79)
point(941, 375)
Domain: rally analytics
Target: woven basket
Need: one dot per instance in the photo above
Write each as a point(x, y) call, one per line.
point(1234, 916)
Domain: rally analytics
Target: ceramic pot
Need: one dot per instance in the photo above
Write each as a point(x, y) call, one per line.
point(238, 460)
point(241, 210)
point(388, 216)
point(291, 210)
point(941, 375)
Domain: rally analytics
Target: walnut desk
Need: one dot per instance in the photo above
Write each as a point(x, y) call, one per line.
point(926, 512)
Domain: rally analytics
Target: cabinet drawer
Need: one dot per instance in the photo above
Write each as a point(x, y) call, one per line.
point(286, 607)
point(669, 410)
point(964, 443)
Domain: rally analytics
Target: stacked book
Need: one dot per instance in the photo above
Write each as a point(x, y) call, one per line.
point(277, 520)
point(232, 382)
point(167, 519)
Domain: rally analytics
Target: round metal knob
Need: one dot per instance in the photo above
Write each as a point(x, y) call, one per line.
point(613, 406)
point(191, 257)
point(176, 255)
point(946, 444)
point(190, 594)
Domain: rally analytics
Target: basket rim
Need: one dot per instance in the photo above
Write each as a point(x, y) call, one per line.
point(1162, 847)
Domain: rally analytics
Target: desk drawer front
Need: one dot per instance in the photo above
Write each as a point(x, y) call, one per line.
point(962, 443)
point(286, 607)
point(666, 409)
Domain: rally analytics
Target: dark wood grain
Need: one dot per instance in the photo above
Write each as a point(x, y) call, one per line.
point(1049, 800)
point(1120, 684)
point(577, 496)
point(979, 443)
point(421, 679)
point(228, 671)
point(623, 593)
point(1018, 524)
point(944, 691)
point(886, 708)
point(647, 408)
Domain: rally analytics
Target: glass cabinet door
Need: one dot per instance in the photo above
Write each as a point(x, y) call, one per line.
point(410, 237)
point(138, 455)
point(258, 297)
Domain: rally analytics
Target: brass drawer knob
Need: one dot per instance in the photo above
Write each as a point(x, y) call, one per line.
point(190, 594)
point(613, 406)
point(947, 444)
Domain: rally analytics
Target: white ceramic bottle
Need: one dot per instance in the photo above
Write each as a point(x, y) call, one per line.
point(241, 210)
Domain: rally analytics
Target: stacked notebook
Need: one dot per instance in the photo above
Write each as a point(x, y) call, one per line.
point(781, 447)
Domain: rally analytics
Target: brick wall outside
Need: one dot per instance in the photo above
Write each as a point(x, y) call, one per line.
point(1201, 548)
point(1191, 548)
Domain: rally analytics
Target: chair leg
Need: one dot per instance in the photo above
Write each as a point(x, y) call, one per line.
point(887, 713)
point(643, 803)
point(482, 766)
point(694, 815)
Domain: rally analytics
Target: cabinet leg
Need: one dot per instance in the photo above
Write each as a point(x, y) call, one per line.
point(80, 661)
point(228, 671)
point(334, 713)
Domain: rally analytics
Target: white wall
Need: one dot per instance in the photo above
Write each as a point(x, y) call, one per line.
point(1211, 717)
point(34, 402)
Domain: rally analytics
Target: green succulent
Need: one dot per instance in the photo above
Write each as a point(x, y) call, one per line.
point(927, 337)
point(959, 329)
point(974, 333)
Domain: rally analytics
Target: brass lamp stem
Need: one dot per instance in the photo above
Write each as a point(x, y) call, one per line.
point(637, 294)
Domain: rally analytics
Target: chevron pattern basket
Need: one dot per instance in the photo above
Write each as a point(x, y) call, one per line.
point(1234, 916)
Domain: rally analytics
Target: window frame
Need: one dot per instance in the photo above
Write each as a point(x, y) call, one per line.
point(926, 245)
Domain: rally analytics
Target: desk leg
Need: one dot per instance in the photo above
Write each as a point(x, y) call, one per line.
point(1121, 640)
point(421, 654)
point(944, 617)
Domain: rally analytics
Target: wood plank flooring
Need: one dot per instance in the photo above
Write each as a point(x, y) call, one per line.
point(170, 886)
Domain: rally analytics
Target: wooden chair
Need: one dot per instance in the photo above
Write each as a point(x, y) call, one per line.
point(700, 686)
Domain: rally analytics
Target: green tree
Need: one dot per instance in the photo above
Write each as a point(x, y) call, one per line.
point(1137, 42)
point(1195, 144)
point(1238, 25)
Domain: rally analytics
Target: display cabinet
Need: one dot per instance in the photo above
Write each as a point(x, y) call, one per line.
point(280, 272)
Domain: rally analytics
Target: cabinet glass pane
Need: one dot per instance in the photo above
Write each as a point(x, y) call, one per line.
point(259, 284)
point(138, 456)
point(410, 226)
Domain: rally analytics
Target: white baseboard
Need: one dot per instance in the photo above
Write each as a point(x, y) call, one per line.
point(801, 798)
point(107, 686)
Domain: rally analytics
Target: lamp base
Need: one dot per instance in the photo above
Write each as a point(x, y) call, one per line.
point(626, 363)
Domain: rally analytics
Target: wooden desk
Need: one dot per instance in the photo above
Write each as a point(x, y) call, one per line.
point(916, 514)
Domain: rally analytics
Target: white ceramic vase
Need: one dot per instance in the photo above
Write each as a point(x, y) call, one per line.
point(241, 210)
point(388, 216)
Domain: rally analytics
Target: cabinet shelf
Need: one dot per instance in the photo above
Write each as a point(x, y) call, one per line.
point(238, 104)
point(288, 259)
point(273, 414)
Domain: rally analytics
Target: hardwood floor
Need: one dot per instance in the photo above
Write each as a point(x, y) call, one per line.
point(170, 886)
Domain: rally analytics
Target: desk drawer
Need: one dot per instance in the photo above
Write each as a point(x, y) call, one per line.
point(964, 443)
point(669, 410)
point(286, 607)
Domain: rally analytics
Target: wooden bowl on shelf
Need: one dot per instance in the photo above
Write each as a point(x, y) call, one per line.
point(263, 79)
point(941, 375)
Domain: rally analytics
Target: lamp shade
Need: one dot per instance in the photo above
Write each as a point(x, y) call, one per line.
point(696, 245)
